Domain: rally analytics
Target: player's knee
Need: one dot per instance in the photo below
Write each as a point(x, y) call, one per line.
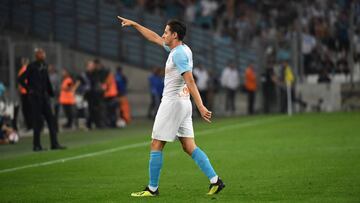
point(157, 145)
point(188, 149)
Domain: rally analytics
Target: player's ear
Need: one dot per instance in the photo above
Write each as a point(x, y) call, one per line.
point(175, 34)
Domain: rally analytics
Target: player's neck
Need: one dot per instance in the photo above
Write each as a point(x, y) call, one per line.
point(175, 44)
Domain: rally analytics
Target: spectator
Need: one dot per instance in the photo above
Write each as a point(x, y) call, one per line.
point(7, 112)
point(8, 135)
point(286, 81)
point(213, 88)
point(230, 81)
point(328, 64)
point(98, 77)
point(190, 11)
point(55, 83)
point(308, 45)
point(207, 11)
point(342, 36)
point(24, 97)
point(40, 90)
point(324, 77)
point(124, 106)
point(84, 90)
point(67, 97)
point(250, 86)
point(287, 86)
point(111, 99)
point(269, 91)
point(201, 76)
point(156, 82)
point(356, 41)
point(93, 95)
point(81, 105)
point(342, 63)
point(174, 9)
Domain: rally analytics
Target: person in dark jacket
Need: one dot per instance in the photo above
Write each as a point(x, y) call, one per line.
point(40, 90)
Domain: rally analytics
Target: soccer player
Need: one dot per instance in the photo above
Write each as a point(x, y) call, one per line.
point(173, 119)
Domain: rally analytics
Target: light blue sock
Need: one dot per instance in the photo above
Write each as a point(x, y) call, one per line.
point(203, 162)
point(155, 164)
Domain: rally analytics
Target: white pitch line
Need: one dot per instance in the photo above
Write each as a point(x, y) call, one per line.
point(107, 151)
point(76, 157)
point(238, 125)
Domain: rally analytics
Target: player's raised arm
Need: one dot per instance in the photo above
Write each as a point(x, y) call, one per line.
point(190, 82)
point(147, 33)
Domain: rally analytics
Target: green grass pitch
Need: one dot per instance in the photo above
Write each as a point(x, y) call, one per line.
point(304, 158)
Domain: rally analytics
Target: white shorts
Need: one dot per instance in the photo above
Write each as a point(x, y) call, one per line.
point(173, 120)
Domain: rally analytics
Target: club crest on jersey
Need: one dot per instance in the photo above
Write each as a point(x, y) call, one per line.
point(185, 91)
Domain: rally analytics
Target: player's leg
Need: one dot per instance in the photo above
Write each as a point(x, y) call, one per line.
point(201, 159)
point(155, 164)
point(164, 130)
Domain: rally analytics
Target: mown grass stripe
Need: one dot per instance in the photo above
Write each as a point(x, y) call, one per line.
point(136, 145)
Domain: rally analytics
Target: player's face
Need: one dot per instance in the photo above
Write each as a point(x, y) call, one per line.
point(168, 36)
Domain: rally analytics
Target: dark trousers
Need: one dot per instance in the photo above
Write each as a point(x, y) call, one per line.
point(26, 110)
point(111, 108)
point(14, 120)
point(96, 111)
point(250, 102)
point(40, 108)
point(69, 114)
point(283, 100)
point(56, 109)
point(269, 98)
point(89, 118)
point(230, 100)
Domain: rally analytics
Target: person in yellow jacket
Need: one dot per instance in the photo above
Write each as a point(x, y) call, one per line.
point(289, 76)
point(67, 97)
point(287, 90)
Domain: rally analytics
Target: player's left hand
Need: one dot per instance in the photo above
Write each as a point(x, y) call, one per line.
point(205, 114)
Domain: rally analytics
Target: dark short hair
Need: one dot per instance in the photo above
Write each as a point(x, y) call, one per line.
point(178, 27)
point(97, 61)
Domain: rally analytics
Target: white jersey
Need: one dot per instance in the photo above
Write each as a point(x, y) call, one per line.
point(179, 61)
point(174, 117)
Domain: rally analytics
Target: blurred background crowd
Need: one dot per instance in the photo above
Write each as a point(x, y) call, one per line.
point(323, 24)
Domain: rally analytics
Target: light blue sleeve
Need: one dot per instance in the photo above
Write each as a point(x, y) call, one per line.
point(181, 61)
point(167, 48)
